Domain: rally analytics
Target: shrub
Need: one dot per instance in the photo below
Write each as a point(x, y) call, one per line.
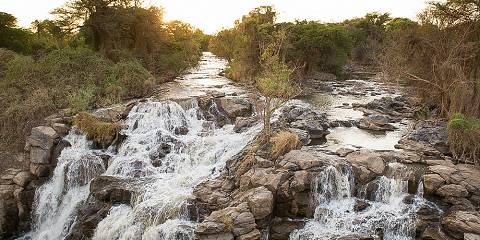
point(464, 138)
point(99, 131)
point(283, 142)
point(133, 78)
point(78, 79)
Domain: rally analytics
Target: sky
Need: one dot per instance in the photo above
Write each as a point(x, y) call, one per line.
point(213, 15)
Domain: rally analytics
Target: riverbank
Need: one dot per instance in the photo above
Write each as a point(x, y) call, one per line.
point(186, 166)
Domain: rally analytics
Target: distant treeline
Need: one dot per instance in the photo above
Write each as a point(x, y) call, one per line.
point(314, 46)
point(95, 53)
point(437, 56)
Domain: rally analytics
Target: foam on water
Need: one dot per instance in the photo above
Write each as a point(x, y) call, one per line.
point(335, 214)
point(159, 209)
point(163, 160)
point(56, 201)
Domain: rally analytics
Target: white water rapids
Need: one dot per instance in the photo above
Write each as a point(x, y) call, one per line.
point(158, 211)
point(386, 216)
point(167, 166)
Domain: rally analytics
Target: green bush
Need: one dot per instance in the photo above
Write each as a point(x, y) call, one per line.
point(464, 137)
point(78, 79)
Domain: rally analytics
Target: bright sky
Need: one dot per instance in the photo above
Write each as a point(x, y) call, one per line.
point(213, 15)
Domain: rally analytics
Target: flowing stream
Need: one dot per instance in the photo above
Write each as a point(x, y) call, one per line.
point(158, 210)
point(165, 165)
point(386, 215)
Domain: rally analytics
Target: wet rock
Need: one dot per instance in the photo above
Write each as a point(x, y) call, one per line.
point(111, 189)
point(282, 227)
point(457, 223)
point(432, 182)
point(243, 123)
point(235, 107)
point(260, 201)
point(367, 159)
point(89, 215)
point(343, 152)
point(8, 212)
point(182, 130)
point(61, 129)
point(452, 190)
point(360, 205)
point(23, 178)
point(42, 137)
point(376, 122)
point(57, 150)
point(40, 170)
point(397, 107)
point(304, 118)
point(114, 113)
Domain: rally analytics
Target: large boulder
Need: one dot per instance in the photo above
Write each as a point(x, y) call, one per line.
point(303, 160)
point(452, 190)
point(89, 215)
point(457, 223)
point(376, 122)
point(235, 107)
point(23, 178)
point(112, 189)
point(432, 182)
point(42, 137)
point(304, 118)
point(260, 201)
point(371, 160)
point(228, 223)
point(267, 177)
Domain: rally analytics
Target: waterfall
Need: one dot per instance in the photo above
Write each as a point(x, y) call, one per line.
point(168, 150)
point(56, 201)
point(186, 160)
point(336, 214)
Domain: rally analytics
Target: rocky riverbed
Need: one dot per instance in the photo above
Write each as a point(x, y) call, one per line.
point(186, 166)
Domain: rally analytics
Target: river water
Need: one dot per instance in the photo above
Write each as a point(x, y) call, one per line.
point(158, 209)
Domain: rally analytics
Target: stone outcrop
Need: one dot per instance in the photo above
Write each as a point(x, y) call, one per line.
point(376, 122)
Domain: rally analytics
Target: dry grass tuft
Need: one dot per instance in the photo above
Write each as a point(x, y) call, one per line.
point(283, 142)
point(99, 131)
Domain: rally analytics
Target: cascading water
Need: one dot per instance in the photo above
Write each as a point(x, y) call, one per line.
point(386, 214)
point(157, 212)
point(168, 150)
point(56, 201)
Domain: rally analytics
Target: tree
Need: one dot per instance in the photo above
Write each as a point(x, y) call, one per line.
point(274, 82)
point(12, 37)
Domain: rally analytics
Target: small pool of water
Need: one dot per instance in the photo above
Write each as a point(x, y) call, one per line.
point(338, 106)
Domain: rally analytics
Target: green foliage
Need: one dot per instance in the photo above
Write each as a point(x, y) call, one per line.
point(460, 122)
point(464, 136)
point(367, 34)
point(316, 46)
point(82, 99)
point(12, 37)
point(319, 47)
point(243, 44)
point(78, 79)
